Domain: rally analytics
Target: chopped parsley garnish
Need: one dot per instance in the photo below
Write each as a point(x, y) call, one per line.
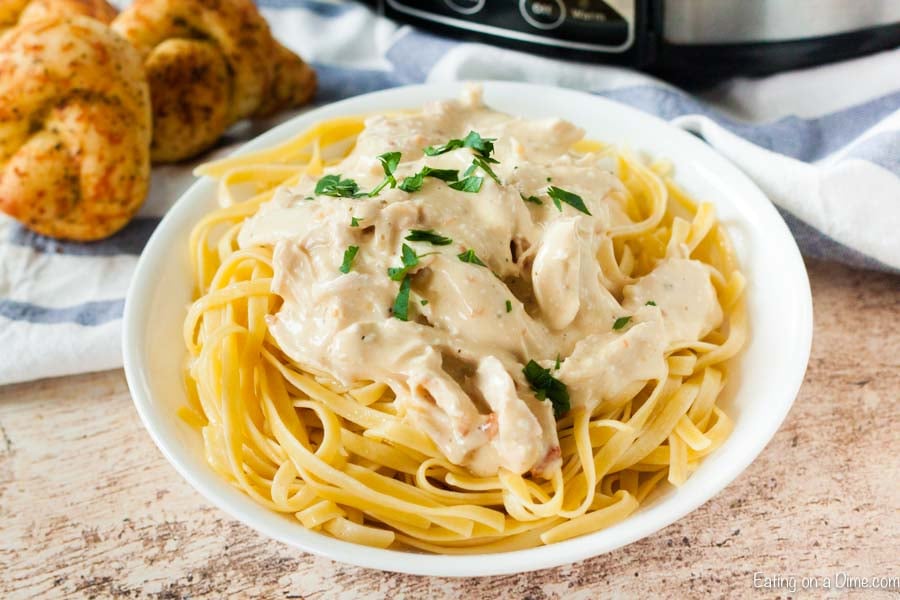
point(558, 363)
point(574, 200)
point(442, 174)
point(349, 255)
point(483, 146)
point(549, 179)
point(401, 302)
point(414, 182)
point(650, 303)
point(532, 199)
point(621, 322)
point(354, 222)
point(546, 386)
point(453, 144)
point(470, 184)
point(469, 257)
point(333, 185)
point(428, 235)
point(481, 163)
point(508, 306)
point(389, 162)
point(409, 258)
point(423, 302)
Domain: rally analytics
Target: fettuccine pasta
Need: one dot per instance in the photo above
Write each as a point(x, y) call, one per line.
point(349, 458)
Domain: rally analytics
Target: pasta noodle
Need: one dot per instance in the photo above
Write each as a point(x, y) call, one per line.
point(343, 462)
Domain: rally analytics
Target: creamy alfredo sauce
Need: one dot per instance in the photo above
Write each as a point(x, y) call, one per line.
point(456, 366)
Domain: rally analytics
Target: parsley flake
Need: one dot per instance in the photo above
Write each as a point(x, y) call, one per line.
point(414, 183)
point(546, 386)
point(401, 303)
point(574, 200)
point(333, 185)
point(389, 162)
point(442, 174)
point(470, 184)
point(621, 322)
point(508, 306)
point(650, 303)
point(532, 199)
point(349, 255)
point(451, 145)
point(354, 221)
point(469, 256)
point(483, 146)
point(409, 258)
point(428, 235)
point(423, 302)
point(481, 163)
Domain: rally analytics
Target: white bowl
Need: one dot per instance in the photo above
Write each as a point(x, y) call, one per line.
point(768, 372)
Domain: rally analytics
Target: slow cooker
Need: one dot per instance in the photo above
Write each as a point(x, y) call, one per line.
point(686, 40)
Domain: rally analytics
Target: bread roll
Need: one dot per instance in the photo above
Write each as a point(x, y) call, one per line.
point(210, 63)
point(74, 128)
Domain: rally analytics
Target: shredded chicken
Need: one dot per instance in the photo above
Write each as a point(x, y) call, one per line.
point(456, 365)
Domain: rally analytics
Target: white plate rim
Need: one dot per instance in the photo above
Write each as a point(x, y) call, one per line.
point(138, 301)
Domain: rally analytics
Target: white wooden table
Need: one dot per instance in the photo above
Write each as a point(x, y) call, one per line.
point(89, 507)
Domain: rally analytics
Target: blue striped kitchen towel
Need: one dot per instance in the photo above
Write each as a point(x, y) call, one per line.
point(822, 143)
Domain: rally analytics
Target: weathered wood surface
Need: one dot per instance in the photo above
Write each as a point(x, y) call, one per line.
point(89, 507)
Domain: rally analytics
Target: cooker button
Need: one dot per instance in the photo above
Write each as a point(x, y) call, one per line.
point(543, 14)
point(466, 7)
